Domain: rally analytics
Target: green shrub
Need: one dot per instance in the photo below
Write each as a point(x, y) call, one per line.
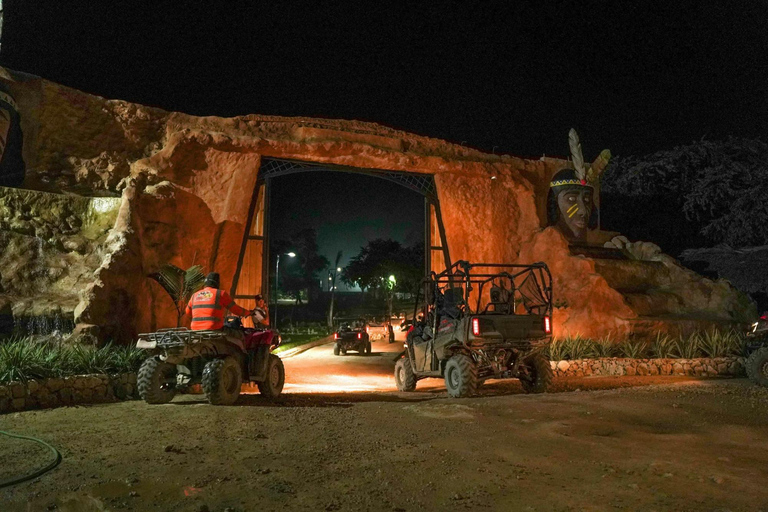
point(689, 347)
point(556, 349)
point(633, 349)
point(23, 359)
point(603, 347)
point(716, 343)
point(664, 346)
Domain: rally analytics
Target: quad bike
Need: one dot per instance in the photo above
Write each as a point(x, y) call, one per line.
point(351, 334)
point(756, 351)
point(219, 360)
point(502, 336)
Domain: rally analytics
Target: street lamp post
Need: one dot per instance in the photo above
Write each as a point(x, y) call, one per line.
point(332, 284)
point(277, 275)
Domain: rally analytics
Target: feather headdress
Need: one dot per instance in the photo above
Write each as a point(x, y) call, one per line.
point(577, 155)
point(582, 175)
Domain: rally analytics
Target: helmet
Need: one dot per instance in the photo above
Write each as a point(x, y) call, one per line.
point(212, 280)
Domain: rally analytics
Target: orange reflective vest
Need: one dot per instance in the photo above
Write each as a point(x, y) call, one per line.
point(208, 306)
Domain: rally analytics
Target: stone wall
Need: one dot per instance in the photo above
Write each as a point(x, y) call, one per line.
point(700, 367)
point(78, 389)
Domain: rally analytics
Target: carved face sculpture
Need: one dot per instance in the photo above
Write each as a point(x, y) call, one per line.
point(570, 206)
point(575, 207)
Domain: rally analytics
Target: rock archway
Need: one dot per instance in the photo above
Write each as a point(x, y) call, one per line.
point(183, 186)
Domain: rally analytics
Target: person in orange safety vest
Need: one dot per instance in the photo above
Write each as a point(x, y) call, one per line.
point(209, 306)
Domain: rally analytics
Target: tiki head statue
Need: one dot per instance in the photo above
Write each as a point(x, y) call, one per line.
point(572, 199)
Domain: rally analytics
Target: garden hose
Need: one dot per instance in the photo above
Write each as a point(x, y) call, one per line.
point(50, 466)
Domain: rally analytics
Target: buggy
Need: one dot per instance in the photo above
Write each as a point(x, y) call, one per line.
point(351, 334)
point(756, 351)
point(220, 361)
point(480, 321)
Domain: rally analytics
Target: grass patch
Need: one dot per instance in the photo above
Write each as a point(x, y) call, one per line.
point(292, 341)
point(22, 359)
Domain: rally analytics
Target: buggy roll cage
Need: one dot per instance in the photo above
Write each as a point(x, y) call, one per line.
point(529, 286)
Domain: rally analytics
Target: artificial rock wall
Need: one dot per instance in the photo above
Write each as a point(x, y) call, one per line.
point(185, 184)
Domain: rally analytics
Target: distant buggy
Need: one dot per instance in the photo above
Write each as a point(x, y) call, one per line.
point(480, 321)
point(351, 334)
point(756, 351)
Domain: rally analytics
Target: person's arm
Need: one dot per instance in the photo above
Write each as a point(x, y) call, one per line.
point(188, 311)
point(230, 305)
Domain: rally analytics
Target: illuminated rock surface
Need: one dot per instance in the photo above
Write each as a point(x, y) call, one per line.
point(186, 183)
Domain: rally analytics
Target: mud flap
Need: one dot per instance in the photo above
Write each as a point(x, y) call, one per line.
point(258, 359)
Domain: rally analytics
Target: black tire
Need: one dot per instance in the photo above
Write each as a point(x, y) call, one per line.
point(405, 379)
point(539, 374)
point(343, 351)
point(757, 367)
point(221, 381)
point(368, 348)
point(275, 379)
point(336, 349)
point(460, 376)
point(156, 381)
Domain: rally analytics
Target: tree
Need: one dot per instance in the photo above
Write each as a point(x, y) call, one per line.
point(179, 284)
point(720, 186)
point(379, 259)
point(301, 273)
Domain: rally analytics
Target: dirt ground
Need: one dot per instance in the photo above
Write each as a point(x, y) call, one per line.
point(340, 438)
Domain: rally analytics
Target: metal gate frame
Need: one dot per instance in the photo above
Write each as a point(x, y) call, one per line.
point(270, 168)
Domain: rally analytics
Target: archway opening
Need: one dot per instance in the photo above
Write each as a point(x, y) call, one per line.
point(317, 211)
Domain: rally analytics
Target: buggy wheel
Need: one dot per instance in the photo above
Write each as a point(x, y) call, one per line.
point(368, 348)
point(336, 349)
point(343, 351)
point(539, 374)
point(757, 367)
point(221, 381)
point(405, 379)
point(156, 381)
point(272, 386)
point(460, 376)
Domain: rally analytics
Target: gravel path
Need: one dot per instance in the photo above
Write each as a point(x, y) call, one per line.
point(645, 443)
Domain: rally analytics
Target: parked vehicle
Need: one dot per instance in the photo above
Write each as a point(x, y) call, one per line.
point(218, 360)
point(351, 334)
point(377, 329)
point(756, 351)
point(480, 321)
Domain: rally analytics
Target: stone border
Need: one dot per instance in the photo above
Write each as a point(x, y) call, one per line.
point(701, 367)
point(100, 388)
point(77, 389)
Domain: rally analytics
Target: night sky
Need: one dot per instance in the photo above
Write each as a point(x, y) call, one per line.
point(503, 77)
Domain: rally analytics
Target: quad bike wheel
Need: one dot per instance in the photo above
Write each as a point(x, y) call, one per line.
point(368, 348)
point(539, 374)
point(757, 367)
point(336, 349)
point(460, 376)
point(156, 381)
point(272, 386)
point(405, 379)
point(221, 381)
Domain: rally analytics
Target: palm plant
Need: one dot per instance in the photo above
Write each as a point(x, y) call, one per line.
point(180, 284)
